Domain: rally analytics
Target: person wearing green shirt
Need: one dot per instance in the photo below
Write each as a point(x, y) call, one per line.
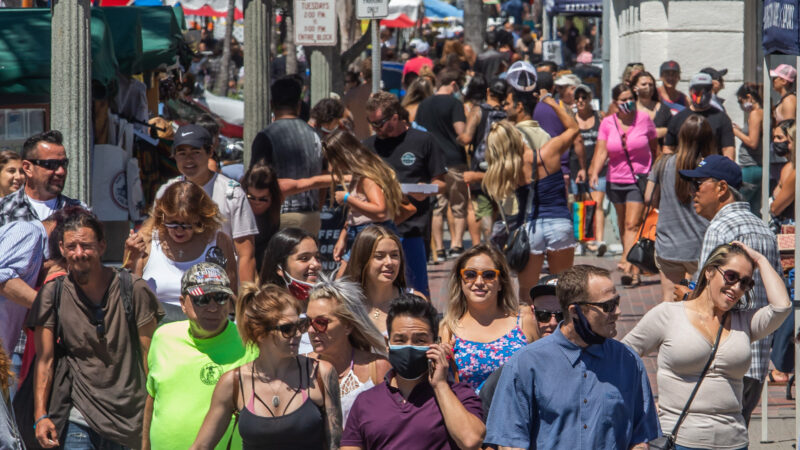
point(187, 358)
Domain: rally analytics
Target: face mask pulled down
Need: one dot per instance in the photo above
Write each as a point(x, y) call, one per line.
point(299, 289)
point(583, 328)
point(627, 107)
point(409, 361)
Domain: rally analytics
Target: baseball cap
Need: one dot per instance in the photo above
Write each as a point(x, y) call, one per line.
point(545, 286)
point(714, 73)
point(522, 76)
point(670, 65)
point(718, 167)
point(784, 71)
point(583, 88)
point(192, 135)
point(568, 80)
point(700, 79)
point(205, 278)
point(422, 48)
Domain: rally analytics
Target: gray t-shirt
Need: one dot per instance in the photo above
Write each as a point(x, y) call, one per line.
point(749, 156)
point(680, 231)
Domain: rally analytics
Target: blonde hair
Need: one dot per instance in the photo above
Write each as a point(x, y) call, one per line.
point(350, 301)
point(504, 152)
point(185, 199)
point(507, 299)
point(718, 257)
point(791, 133)
point(260, 308)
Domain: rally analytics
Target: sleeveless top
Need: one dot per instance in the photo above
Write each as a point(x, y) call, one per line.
point(749, 156)
point(549, 197)
point(356, 218)
point(778, 117)
point(477, 360)
point(163, 275)
point(301, 428)
point(349, 388)
point(589, 136)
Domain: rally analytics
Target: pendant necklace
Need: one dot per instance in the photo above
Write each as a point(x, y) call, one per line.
point(276, 401)
point(377, 313)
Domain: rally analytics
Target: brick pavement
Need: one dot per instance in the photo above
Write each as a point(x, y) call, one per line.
point(634, 304)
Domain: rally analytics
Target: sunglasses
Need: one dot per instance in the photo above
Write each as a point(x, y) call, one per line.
point(175, 225)
point(543, 316)
point(51, 164)
point(99, 321)
point(607, 306)
point(258, 199)
point(220, 298)
point(470, 275)
point(730, 278)
point(320, 324)
point(379, 124)
point(291, 329)
point(697, 182)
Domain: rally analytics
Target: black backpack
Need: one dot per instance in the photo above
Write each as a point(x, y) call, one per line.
point(490, 115)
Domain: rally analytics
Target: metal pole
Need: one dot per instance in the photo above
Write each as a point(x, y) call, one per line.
point(606, 36)
point(796, 288)
point(376, 56)
point(766, 137)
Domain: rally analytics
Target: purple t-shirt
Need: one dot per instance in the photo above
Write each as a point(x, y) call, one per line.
point(549, 121)
point(381, 418)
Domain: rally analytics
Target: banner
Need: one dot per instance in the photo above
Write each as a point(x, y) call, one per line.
point(781, 33)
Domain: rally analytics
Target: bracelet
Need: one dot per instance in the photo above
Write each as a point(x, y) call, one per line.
point(46, 416)
point(347, 194)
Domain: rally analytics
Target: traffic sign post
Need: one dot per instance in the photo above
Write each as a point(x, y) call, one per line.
point(315, 22)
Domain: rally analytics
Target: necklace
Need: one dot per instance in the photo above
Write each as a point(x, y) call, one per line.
point(377, 313)
point(276, 401)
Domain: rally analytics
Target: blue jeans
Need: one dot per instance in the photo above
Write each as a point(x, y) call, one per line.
point(79, 437)
point(416, 264)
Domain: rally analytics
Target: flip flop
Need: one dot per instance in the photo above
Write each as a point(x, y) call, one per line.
point(777, 382)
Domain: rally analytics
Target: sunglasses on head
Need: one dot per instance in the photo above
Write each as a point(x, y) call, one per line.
point(470, 275)
point(543, 316)
point(607, 306)
point(51, 164)
point(731, 277)
point(290, 329)
point(220, 298)
point(320, 324)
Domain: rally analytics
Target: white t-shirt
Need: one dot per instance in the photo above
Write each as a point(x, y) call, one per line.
point(238, 218)
point(44, 209)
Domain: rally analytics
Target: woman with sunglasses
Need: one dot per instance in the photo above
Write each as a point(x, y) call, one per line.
point(483, 322)
point(183, 230)
point(283, 400)
point(343, 335)
point(683, 334)
point(378, 266)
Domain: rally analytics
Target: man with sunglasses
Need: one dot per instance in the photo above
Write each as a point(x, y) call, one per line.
point(594, 385)
point(716, 181)
point(187, 358)
point(45, 163)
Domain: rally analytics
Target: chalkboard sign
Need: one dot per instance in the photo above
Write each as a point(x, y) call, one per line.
point(331, 224)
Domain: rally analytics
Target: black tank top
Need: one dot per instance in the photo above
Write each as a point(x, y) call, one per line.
point(302, 428)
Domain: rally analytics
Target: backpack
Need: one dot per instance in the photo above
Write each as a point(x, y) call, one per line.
point(490, 115)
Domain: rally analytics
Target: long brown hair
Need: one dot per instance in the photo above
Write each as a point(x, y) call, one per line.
point(186, 199)
point(364, 247)
point(346, 154)
point(262, 176)
point(6, 374)
point(695, 142)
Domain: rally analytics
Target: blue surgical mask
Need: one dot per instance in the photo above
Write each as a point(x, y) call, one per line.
point(583, 328)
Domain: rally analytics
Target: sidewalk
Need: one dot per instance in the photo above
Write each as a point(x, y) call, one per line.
point(635, 303)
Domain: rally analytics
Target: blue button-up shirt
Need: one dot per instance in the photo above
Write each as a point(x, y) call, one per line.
point(554, 394)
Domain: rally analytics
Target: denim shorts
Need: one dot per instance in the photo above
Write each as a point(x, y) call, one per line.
point(601, 186)
point(550, 235)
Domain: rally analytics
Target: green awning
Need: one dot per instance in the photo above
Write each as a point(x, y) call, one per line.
point(127, 36)
point(161, 36)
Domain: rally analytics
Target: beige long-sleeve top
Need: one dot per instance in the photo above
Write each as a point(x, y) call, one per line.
point(715, 417)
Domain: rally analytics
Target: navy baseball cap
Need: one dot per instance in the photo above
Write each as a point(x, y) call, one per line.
point(718, 167)
point(670, 65)
point(545, 286)
point(192, 135)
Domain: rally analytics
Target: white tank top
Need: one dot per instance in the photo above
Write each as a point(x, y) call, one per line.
point(163, 275)
point(349, 388)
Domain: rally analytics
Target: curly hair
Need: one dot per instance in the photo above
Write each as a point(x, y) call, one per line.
point(185, 199)
point(504, 152)
point(260, 308)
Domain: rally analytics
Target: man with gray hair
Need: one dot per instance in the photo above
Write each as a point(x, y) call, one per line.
point(715, 182)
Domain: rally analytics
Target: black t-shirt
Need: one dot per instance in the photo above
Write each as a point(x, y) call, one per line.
point(719, 121)
point(437, 114)
point(414, 159)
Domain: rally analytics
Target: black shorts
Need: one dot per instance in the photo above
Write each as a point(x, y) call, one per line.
point(623, 193)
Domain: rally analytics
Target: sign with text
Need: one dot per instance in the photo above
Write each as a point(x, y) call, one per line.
point(315, 22)
point(372, 9)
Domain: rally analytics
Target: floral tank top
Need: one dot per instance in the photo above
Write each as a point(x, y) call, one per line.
point(477, 360)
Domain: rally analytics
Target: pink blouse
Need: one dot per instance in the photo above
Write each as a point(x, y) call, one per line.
point(638, 138)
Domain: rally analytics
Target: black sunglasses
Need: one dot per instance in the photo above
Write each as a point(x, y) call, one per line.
point(543, 316)
point(379, 124)
point(203, 300)
point(182, 226)
point(607, 306)
point(51, 164)
point(99, 321)
point(289, 330)
point(731, 277)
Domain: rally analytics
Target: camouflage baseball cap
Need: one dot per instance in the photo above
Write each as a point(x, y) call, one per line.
point(205, 278)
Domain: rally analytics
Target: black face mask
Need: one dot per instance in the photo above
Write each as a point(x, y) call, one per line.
point(409, 361)
point(780, 148)
point(583, 328)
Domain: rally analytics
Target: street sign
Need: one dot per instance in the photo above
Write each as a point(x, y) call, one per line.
point(372, 9)
point(315, 22)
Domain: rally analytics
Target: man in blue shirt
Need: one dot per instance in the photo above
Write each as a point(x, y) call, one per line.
point(577, 388)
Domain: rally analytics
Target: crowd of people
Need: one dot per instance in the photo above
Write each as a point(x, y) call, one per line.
point(225, 329)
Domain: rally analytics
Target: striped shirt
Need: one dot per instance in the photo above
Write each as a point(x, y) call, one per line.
point(735, 222)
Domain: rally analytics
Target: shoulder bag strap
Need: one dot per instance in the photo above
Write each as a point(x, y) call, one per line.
point(625, 148)
point(56, 307)
point(237, 377)
point(126, 293)
point(700, 380)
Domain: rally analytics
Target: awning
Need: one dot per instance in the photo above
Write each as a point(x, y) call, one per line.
point(400, 20)
point(127, 37)
point(437, 9)
point(408, 7)
point(208, 11)
point(162, 39)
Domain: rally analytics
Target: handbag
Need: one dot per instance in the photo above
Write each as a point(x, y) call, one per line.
point(513, 240)
point(643, 253)
point(583, 214)
point(667, 441)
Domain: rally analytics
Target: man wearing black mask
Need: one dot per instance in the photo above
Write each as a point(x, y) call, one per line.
point(416, 406)
point(700, 95)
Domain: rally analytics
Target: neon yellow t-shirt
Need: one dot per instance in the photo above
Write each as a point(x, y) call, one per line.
point(183, 372)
